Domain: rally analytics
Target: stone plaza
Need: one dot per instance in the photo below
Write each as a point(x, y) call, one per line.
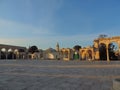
point(57, 75)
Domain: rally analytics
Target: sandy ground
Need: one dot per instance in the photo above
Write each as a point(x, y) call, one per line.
point(57, 75)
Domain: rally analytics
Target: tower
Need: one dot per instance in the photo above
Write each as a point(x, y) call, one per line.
point(57, 46)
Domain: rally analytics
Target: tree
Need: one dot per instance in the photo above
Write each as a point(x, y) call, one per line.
point(21, 50)
point(77, 47)
point(102, 36)
point(33, 49)
point(111, 51)
point(103, 53)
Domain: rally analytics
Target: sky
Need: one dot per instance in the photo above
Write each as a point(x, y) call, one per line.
point(69, 22)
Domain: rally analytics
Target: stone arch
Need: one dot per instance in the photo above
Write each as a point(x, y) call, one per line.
point(113, 50)
point(114, 41)
point(6, 50)
point(83, 54)
point(67, 53)
point(89, 53)
point(107, 41)
point(3, 49)
point(10, 53)
point(76, 55)
point(10, 50)
point(3, 53)
point(16, 53)
point(102, 51)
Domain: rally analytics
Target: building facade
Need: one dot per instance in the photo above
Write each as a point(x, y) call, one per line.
point(102, 49)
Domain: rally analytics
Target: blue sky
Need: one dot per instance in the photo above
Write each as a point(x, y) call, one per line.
point(45, 22)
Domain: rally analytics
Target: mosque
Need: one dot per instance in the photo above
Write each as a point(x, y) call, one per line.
point(102, 49)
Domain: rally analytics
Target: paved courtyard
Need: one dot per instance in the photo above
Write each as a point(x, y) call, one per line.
point(57, 75)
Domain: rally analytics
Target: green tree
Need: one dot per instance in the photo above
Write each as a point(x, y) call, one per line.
point(111, 49)
point(33, 49)
point(102, 36)
point(77, 47)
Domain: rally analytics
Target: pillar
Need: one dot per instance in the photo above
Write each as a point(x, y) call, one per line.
point(6, 55)
point(13, 56)
point(93, 56)
point(68, 55)
point(118, 49)
point(0, 53)
point(107, 52)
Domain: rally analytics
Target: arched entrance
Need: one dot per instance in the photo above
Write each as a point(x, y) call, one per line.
point(10, 54)
point(113, 50)
point(76, 55)
point(110, 53)
point(83, 55)
point(102, 51)
point(16, 53)
point(89, 54)
point(3, 53)
point(66, 54)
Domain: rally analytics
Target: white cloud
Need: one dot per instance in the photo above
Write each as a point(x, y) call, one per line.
point(17, 33)
point(46, 42)
point(41, 13)
point(12, 28)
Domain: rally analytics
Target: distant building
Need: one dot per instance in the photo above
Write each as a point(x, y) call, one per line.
point(51, 54)
point(102, 49)
point(12, 52)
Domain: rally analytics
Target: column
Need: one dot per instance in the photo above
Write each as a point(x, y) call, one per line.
point(6, 54)
point(0, 53)
point(68, 57)
point(119, 50)
point(107, 52)
point(13, 56)
point(93, 56)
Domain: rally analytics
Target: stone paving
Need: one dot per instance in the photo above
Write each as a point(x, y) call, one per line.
point(57, 75)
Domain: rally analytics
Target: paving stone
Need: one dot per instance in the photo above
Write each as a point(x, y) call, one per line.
point(56, 75)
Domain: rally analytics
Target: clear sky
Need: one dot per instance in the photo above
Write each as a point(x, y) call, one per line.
point(45, 22)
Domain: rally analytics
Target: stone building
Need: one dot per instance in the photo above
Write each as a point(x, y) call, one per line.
point(106, 42)
point(51, 54)
point(87, 53)
point(101, 49)
point(66, 54)
point(36, 55)
point(12, 52)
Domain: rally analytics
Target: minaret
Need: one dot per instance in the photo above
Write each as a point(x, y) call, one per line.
point(57, 46)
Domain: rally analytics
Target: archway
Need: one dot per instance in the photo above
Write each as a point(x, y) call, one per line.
point(3, 53)
point(21, 53)
point(16, 54)
point(83, 55)
point(66, 54)
point(89, 55)
point(102, 51)
point(10, 54)
point(113, 50)
point(76, 55)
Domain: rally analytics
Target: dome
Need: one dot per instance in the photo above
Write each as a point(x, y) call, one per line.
point(50, 50)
